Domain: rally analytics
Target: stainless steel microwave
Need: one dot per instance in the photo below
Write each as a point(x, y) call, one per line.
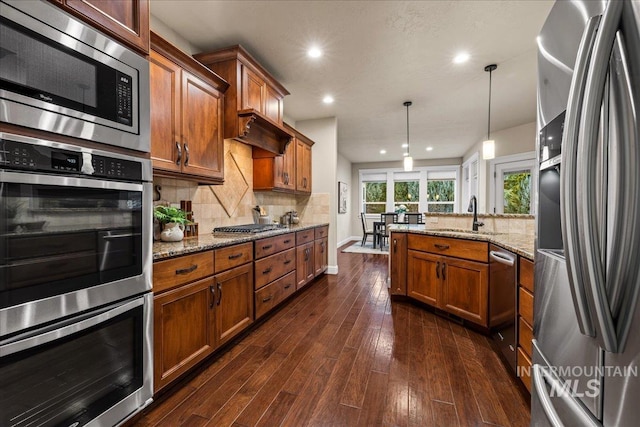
point(59, 75)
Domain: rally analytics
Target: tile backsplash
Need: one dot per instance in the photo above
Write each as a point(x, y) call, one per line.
point(513, 224)
point(209, 213)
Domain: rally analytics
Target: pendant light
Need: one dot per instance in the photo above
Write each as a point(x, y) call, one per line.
point(489, 145)
point(408, 160)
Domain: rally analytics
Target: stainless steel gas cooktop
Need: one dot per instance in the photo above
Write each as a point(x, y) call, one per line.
point(248, 228)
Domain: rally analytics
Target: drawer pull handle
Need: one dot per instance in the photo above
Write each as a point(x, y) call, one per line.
point(288, 286)
point(213, 296)
point(287, 262)
point(236, 256)
point(439, 246)
point(267, 298)
point(187, 270)
point(267, 247)
point(287, 241)
point(267, 271)
point(219, 293)
point(438, 269)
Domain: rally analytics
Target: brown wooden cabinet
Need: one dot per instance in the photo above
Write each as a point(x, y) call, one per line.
point(305, 264)
point(525, 318)
point(124, 20)
point(321, 256)
point(303, 167)
point(254, 104)
point(234, 302)
point(186, 116)
point(398, 264)
point(274, 173)
point(184, 330)
point(456, 285)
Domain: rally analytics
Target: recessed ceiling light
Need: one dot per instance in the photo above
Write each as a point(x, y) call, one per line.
point(429, 148)
point(461, 58)
point(405, 145)
point(314, 52)
point(328, 99)
point(383, 151)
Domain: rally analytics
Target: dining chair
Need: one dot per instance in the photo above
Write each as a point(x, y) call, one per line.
point(413, 218)
point(366, 231)
point(387, 218)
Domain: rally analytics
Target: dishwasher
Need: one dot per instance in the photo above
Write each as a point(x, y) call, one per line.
point(502, 301)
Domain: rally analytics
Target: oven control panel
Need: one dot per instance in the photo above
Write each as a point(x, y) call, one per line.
point(38, 158)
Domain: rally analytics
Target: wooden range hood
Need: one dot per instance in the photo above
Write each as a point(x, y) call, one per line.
point(253, 104)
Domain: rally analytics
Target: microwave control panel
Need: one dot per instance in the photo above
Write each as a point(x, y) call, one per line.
point(44, 159)
point(124, 95)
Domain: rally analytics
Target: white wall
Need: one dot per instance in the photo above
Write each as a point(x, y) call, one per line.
point(324, 175)
point(344, 220)
point(167, 33)
point(514, 140)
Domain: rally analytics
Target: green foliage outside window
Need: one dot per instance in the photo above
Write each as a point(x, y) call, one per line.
point(441, 190)
point(517, 193)
point(375, 197)
point(406, 193)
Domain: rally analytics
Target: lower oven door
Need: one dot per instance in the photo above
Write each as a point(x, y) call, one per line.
point(93, 369)
point(69, 244)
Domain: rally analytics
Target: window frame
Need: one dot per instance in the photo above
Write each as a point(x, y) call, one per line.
point(506, 164)
point(419, 173)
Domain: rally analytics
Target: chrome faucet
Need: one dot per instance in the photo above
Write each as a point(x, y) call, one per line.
point(473, 207)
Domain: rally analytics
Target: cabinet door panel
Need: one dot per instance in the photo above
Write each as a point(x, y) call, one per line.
point(423, 280)
point(165, 113)
point(321, 256)
point(183, 330)
point(203, 145)
point(304, 264)
point(465, 289)
point(303, 167)
point(127, 20)
point(273, 105)
point(234, 302)
point(398, 264)
point(253, 88)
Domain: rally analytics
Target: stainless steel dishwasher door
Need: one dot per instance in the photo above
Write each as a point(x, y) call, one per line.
point(502, 301)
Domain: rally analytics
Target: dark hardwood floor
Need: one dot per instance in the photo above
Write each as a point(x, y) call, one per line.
point(343, 354)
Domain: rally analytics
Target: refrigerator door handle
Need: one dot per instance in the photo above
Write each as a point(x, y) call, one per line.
point(541, 376)
point(568, 172)
point(587, 182)
point(624, 270)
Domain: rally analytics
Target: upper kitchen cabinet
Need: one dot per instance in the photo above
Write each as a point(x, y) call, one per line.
point(124, 20)
point(253, 107)
point(303, 163)
point(186, 116)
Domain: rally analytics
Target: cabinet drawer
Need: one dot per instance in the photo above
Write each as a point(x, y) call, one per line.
point(305, 236)
point(524, 368)
point(270, 268)
point(322, 232)
point(525, 305)
point(525, 335)
point(467, 249)
point(272, 245)
point(526, 274)
point(233, 256)
point(178, 271)
point(271, 295)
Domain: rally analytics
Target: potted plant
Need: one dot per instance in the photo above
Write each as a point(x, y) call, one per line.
point(172, 221)
point(400, 210)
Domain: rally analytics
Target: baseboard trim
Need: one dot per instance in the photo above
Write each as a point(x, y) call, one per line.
point(349, 239)
point(332, 269)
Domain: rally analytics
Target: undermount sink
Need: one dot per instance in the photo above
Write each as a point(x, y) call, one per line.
point(463, 230)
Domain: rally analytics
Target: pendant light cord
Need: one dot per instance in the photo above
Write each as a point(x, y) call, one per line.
point(490, 68)
point(408, 104)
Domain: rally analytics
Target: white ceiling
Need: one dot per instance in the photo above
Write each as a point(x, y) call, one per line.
point(378, 54)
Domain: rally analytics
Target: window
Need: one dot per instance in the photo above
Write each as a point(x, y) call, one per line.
point(374, 196)
point(513, 183)
point(441, 191)
point(407, 193)
point(432, 189)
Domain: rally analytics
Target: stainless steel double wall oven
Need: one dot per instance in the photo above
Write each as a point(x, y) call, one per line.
point(75, 223)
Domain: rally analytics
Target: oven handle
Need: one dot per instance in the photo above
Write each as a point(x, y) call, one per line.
point(120, 236)
point(66, 181)
point(65, 328)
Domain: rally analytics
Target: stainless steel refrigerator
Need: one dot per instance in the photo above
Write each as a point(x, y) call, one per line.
point(586, 312)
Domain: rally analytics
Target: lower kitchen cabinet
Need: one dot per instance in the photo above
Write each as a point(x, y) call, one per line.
point(184, 330)
point(465, 289)
point(234, 302)
point(321, 256)
point(305, 264)
point(398, 264)
point(423, 277)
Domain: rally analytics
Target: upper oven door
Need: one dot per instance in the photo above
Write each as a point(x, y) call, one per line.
point(69, 78)
point(69, 244)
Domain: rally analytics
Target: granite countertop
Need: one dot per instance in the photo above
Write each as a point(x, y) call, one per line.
point(203, 242)
point(521, 244)
point(480, 215)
